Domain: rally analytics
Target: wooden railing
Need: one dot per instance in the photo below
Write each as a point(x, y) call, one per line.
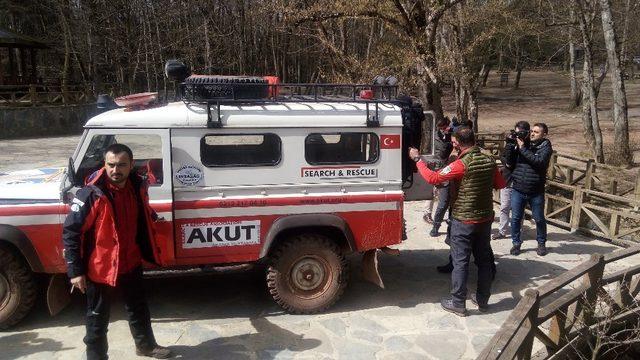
point(32, 95)
point(560, 312)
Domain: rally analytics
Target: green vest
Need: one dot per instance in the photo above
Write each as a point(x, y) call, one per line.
point(474, 200)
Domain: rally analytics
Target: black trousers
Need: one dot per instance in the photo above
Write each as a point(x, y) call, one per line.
point(98, 309)
point(467, 239)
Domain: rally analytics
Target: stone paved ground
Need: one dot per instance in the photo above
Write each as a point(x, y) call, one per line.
point(231, 316)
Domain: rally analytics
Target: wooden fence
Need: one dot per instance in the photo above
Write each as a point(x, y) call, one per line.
point(32, 95)
point(560, 312)
point(581, 195)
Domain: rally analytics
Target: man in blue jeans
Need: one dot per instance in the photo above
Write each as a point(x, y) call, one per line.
point(528, 154)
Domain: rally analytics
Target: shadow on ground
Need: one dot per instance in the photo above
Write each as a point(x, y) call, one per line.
point(26, 343)
point(270, 339)
point(410, 279)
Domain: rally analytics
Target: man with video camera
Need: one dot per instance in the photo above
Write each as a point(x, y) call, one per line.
point(528, 154)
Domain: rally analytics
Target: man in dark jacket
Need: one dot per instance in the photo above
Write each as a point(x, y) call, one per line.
point(529, 158)
point(442, 148)
point(473, 175)
point(108, 231)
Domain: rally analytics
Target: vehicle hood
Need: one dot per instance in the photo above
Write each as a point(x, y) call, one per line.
point(30, 185)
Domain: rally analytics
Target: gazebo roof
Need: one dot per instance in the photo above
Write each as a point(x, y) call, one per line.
point(11, 39)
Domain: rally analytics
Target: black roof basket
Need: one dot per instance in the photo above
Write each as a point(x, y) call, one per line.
point(217, 91)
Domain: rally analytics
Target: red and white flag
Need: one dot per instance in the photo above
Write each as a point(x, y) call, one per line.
point(389, 141)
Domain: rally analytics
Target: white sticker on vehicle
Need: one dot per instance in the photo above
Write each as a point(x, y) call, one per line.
point(347, 172)
point(189, 175)
point(205, 235)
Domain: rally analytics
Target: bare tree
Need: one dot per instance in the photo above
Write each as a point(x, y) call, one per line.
point(620, 119)
point(586, 12)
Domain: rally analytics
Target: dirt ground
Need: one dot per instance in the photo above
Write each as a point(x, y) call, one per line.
point(543, 96)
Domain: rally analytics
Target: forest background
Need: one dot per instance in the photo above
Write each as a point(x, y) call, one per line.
point(443, 51)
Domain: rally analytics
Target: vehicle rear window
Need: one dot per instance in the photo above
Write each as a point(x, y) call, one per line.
point(240, 150)
point(341, 148)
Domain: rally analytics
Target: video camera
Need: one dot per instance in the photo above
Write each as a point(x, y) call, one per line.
point(520, 134)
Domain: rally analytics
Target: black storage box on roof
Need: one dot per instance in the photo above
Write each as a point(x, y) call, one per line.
point(210, 87)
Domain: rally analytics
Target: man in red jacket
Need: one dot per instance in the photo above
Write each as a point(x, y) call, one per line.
point(108, 231)
point(473, 176)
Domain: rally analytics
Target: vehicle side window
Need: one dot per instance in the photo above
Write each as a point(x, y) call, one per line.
point(240, 150)
point(341, 148)
point(147, 155)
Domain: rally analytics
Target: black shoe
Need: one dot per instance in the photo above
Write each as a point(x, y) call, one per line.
point(445, 269)
point(481, 308)
point(157, 352)
point(515, 250)
point(434, 232)
point(448, 305)
point(542, 250)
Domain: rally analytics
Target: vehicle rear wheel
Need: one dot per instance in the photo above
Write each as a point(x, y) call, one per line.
point(308, 274)
point(18, 289)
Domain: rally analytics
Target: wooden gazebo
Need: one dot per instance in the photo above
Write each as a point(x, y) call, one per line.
point(14, 51)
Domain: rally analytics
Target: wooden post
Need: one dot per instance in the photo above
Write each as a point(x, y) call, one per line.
point(614, 225)
point(588, 175)
point(558, 329)
point(551, 170)
point(33, 95)
point(591, 280)
point(576, 210)
point(569, 179)
point(623, 296)
point(531, 323)
point(613, 187)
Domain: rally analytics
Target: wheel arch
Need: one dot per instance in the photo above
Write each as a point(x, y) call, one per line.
point(327, 224)
point(17, 241)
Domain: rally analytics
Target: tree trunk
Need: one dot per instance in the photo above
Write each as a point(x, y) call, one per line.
point(590, 122)
point(516, 82)
point(576, 96)
point(622, 152)
point(485, 75)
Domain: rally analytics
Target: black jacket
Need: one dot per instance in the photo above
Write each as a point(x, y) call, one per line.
point(442, 147)
point(528, 165)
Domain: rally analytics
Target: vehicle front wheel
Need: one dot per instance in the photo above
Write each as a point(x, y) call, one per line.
point(308, 274)
point(18, 289)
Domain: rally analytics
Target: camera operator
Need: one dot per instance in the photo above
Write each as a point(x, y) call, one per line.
point(528, 154)
point(504, 225)
point(442, 147)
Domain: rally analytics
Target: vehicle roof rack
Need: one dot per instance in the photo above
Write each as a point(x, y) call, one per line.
point(252, 92)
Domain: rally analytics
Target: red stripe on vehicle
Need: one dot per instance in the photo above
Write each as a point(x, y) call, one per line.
point(302, 200)
point(34, 210)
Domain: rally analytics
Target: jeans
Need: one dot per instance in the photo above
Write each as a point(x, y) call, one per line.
point(443, 205)
point(98, 310)
point(536, 202)
point(467, 239)
point(505, 208)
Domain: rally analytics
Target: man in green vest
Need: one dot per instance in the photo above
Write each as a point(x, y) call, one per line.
point(472, 176)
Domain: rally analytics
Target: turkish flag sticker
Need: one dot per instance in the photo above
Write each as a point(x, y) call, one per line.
point(389, 141)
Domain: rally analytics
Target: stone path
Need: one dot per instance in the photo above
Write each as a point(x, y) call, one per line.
point(231, 316)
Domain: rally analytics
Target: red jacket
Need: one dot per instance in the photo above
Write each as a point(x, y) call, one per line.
point(89, 234)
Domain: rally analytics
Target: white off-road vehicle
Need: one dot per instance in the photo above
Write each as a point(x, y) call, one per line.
point(241, 170)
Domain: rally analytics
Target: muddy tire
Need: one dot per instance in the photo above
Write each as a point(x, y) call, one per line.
point(308, 274)
point(18, 289)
